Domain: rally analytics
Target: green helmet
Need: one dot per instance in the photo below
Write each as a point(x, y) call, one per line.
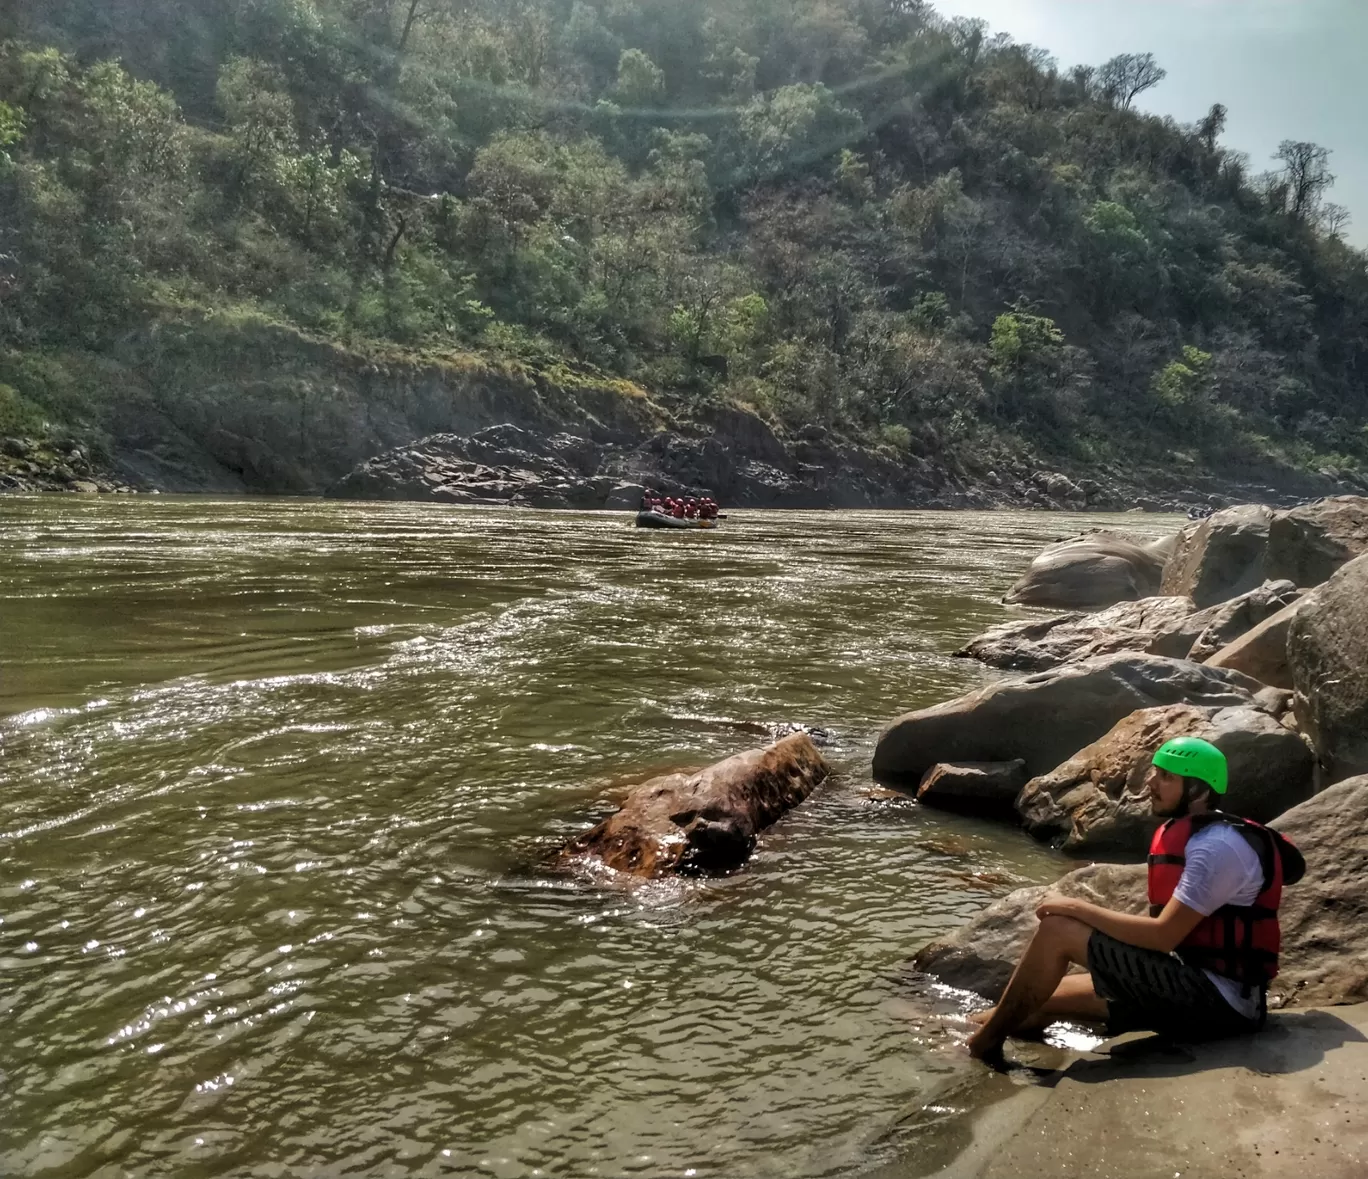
point(1191, 757)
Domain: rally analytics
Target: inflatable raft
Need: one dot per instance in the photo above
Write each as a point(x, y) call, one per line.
point(660, 520)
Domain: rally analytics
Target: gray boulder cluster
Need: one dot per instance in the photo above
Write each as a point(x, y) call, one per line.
point(499, 466)
point(737, 458)
point(28, 465)
point(1253, 635)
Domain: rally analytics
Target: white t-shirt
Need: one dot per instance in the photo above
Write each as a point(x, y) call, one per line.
point(1222, 869)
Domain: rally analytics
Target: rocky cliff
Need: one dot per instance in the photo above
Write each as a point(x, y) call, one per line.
point(242, 405)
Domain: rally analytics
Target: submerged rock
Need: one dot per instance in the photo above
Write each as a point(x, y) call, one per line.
point(704, 823)
point(1327, 650)
point(983, 788)
point(1046, 718)
point(1096, 802)
point(1091, 571)
point(1324, 917)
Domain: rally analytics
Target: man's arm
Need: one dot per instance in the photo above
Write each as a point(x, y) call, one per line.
point(1163, 933)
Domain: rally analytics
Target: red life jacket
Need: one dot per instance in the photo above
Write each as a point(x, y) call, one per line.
point(1239, 942)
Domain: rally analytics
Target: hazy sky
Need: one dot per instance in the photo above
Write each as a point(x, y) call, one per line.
point(1287, 69)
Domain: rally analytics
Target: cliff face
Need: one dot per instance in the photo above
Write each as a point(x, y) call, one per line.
point(208, 406)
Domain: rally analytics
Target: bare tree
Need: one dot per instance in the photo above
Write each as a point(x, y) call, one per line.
point(1306, 169)
point(1129, 75)
point(1334, 219)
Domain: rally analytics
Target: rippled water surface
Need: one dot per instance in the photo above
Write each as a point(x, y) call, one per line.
point(278, 778)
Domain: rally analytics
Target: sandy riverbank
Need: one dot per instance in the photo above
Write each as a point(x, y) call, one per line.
point(1288, 1102)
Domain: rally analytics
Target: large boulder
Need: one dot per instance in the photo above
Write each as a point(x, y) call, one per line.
point(1324, 917)
point(1221, 557)
point(1222, 624)
point(987, 789)
point(1307, 544)
point(1091, 571)
point(1036, 644)
point(705, 822)
point(1262, 651)
point(1327, 649)
point(1096, 803)
point(1045, 718)
point(981, 955)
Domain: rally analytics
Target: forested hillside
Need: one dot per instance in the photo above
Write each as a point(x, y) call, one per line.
point(844, 213)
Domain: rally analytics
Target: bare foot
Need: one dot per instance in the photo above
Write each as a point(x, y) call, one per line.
point(982, 1046)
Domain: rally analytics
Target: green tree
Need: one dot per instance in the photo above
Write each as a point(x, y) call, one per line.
point(640, 82)
point(260, 116)
point(11, 131)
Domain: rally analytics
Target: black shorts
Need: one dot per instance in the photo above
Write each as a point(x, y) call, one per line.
point(1147, 990)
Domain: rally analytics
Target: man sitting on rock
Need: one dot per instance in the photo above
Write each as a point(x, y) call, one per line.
point(1199, 965)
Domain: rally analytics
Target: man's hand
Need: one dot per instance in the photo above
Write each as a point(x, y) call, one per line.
point(1054, 905)
point(1161, 933)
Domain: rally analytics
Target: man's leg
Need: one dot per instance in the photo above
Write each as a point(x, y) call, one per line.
point(1074, 998)
point(1058, 943)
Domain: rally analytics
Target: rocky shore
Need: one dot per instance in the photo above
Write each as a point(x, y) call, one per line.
point(33, 465)
point(739, 459)
point(1257, 639)
point(598, 455)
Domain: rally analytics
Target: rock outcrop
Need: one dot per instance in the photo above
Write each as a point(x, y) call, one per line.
point(1221, 557)
point(1096, 803)
point(1046, 718)
point(1225, 622)
point(501, 465)
point(1327, 650)
point(1037, 644)
point(31, 464)
point(987, 789)
point(1234, 550)
point(708, 822)
point(739, 459)
point(1307, 544)
point(1091, 571)
point(1324, 917)
point(981, 955)
point(1262, 651)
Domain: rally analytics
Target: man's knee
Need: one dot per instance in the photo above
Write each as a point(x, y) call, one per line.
point(1066, 934)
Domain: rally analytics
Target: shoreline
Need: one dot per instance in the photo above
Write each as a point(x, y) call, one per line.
point(741, 464)
point(1140, 1108)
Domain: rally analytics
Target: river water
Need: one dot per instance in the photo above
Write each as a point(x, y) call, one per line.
point(279, 778)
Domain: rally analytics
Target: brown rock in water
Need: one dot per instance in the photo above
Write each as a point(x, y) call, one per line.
point(987, 789)
point(1221, 557)
point(1327, 649)
point(1091, 571)
point(704, 823)
point(1037, 644)
point(1307, 544)
point(1047, 717)
point(1324, 917)
point(1262, 652)
point(1096, 802)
